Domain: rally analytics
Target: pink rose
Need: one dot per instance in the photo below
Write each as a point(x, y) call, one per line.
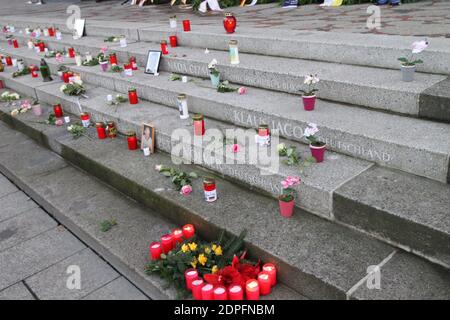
point(284, 184)
point(186, 190)
point(104, 49)
point(59, 122)
point(242, 90)
point(235, 148)
point(158, 167)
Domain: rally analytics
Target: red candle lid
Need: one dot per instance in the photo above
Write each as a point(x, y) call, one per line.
point(252, 285)
point(263, 276)
point(155, 245)
point(235, 289)
point(219, 290)
point(208, 287)
point(192, 272)
point(197, 282)
point(166, 237)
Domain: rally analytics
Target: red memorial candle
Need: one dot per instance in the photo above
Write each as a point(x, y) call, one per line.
point(186, 25)
point(199, 125)
point(235, 292)
point(209, 189)
point(8, 61)
point(188, 231)
point(177, 235)
point(190, 275)
point(15, 43)
point(71, 52)
point(173, 41)
point(208, 292)
point(164, 47)
point(112, 59)
point(270, 269)
point(132, 96)
point(101, 131)
point(57, 110)
point(85, 119)
point(51, 32)
point(133, 63)
point(264, 283)
point(167, 243)
point(34, 73)
point(111, 130)
point(132, 141)
point(66, 76)
point(229, 22)
point(197, 286)
point(220, 293)
point(252, 289)
point(155, 250)
point(41, 46)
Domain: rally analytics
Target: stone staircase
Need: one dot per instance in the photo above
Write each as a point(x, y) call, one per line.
point(382, 194)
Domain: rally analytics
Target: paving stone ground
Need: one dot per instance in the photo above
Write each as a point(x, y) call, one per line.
point(38, 256)
point(424, 18)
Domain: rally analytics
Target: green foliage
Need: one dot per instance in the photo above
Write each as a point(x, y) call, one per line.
point(93, 62)
point(225, 87)
point(107, 225)
point(76, 130)
point(175, 77)
point(178, 178)
point(73, 89)
point(51, 119)
point(409, 62)
point(116, 69)
point(24, 72)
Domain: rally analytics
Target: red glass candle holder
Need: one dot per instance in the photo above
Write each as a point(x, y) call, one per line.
point(197, 286)
point(252, 289)
point(190, 275)
point(155, 250)
point(51, 32)
point(41, 46)
point(66, 76)
point(15, 43)
point(209, 188)
point(164, 47)
point(263, 130)
point(167, 243)
point(133, 63)
point(235, 292)
point(229, 22)
point(112, 59)
point(208, 292)
point(186, 25)
point(8, 61)
point(132, 141)
point(271, 270)
point(85, 119)
point(220, 293)
point(188, 231)
point(173, 41)
point(199, 125)
point(101, 130)
point(132, 96)
point(177, 235)
point(34, 73)
point(57, 110)
point(111, 129)
point(264, 283)
point(71, 52)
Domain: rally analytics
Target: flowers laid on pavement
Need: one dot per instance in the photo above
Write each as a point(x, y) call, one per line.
point(9, 97)
point(23, 72)
point(186, 190)
point(76, 130)
point(24, 107)
point(113, 39)
point(74, 88)
point(224, 86)
point(179, 178)
point(116, 69)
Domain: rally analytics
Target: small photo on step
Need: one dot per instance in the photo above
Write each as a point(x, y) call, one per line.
point(148, 139)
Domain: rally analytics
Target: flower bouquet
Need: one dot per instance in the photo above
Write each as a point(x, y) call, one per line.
point(74, 88)
point(409, 64)
point(309, 96)
point(317, 147)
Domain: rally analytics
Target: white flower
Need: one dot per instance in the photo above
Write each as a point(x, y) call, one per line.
point(419, 46)
point(311, 130)
point(212, 64)
point(206, 51)
point(281, 147)
point(5, 94)
point(312, 125)
point(15, 96)
point(158, 167)
point(69, 128)
point(308, 79)
point(63, 87)
point(78, 81)
point(14, 112)
point(315, 79)
point(23, 110)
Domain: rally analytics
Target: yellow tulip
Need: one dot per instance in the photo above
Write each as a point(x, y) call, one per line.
point(218, 251)
point(207, 250)
point(202, 259)
point(193, 246)
point(194, 263)
point(214, 269)
point(185, 248)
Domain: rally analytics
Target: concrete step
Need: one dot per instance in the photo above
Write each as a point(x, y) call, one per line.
point(318, 258)
point(348, 48)
point(55, 184)
point(375, 88)
point(327, 188)
point(388, 140)
point(318, 181)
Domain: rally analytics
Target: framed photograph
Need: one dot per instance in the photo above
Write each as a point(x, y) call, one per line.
point(153, 59)
point(148, 138)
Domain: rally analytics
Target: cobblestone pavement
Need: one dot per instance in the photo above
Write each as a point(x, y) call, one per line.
point(426, 18)
point(39, 257)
